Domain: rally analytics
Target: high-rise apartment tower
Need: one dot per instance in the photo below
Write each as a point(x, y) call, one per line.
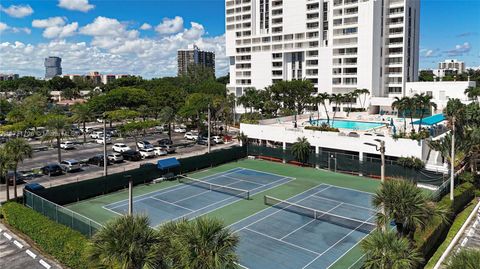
point(53, 67)
point(187, 58)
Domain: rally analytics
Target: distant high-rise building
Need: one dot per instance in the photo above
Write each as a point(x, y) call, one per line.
point(449, 68)
point(8, 77)
point(187, 58)
point(53, 67)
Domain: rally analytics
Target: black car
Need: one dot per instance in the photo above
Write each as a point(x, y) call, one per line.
point(97, 160)
point(164, 141)
point(131, 155)
point(9, 176)
point(204, 141)
point(52, 169)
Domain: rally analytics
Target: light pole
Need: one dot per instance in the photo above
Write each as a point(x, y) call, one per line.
point(105, 159)
point(452, 161)
point(381, 149)
point(208, 131)
point(130, 194)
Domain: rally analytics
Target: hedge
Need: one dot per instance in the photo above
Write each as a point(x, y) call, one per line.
point(431, 238)
point(66, 245)
point(457, 224)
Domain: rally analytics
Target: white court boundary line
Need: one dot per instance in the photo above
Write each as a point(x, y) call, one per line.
point(349, 204)
point(179, 206)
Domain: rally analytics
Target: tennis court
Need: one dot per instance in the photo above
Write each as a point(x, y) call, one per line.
point(200, 196)
point(313, 229)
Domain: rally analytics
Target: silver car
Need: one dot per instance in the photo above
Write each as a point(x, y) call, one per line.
point(70, 165)
point(115, 157)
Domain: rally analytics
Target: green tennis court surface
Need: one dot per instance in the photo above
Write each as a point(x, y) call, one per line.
point(222, 191)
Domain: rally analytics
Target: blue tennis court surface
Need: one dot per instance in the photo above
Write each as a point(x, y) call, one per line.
point(285, 236)
point(189, 200)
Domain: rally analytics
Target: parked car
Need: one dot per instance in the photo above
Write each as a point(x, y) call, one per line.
point(217, 139)
point(159, 151)
point(144, 144)
point(99, 120)
point(131, 155)
point(34, 186)
point(120, 147)
point(164, 141)
point(52, 169)
point(168, 148)
point(204, 141)
point(97, 160)
point(115, 157)
point(75, 131)
point(179, 130)
point(88, 130)
point(20, 178)
point(159, 129)
point(67, 145)
point(191, 136)
point(70, 165)
point(108, 140)
point(96, 134)
point(147, 153)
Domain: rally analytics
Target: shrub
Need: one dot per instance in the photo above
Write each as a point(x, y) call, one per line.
point(251, 118)
point(66, 245)
point(467, 177)
point(323, 128)
point(411, 162)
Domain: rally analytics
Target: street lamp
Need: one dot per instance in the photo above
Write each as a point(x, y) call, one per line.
point(130, 194)
point(381, 149)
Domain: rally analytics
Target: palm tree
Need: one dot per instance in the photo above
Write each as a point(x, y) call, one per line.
point(321, 99)
point(5, 162)
point(407, 205)
point(126, 242)
point(82, 113)
point(242, 138)
point(473, 93)
point(301, 150)
point(167, 115)
point(363, 92)
point(350, 97)
point(56, 125)
point(385, 250)
point(423, 102)
point(336, 98)
point(401, 105)
point(464, 259)
point(203, 243)
point(444, 146)
point(18, 149)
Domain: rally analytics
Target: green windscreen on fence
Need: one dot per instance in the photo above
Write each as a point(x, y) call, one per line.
point(61, 214)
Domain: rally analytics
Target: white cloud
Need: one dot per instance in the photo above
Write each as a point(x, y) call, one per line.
point(19, 11)
point(56, 27)
point(145, 26)
point(4, 28)
point(195, 32)
point(79, 5)
point(459, 49)
point(170, 26)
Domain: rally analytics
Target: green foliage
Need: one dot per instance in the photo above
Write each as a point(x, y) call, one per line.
point(5, 108)
point(386, 250)
point(322, 128)
point(60, 84)
point(66, 245)
point(411, 162)
point(467, 177)
point(301, 149)
point(465, 259)
point(425, 75)
point(250, 118)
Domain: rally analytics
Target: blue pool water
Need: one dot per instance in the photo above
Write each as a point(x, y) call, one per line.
point(348, 124)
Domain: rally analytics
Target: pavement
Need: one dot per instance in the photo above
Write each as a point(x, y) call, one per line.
point(16, 253)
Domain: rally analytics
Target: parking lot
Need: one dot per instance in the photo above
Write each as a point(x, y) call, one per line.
point(44, 153)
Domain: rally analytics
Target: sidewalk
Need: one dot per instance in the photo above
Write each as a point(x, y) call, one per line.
point(112, 170)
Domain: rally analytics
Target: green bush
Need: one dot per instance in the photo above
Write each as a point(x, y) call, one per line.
point(411, 162)
point(322, 128)
point(251, 118)
point(467, 177)
point(66, 245)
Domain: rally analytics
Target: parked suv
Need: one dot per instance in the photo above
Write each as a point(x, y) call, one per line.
point(191, 136)
point(120, 147)
point(115, 157)
point(147, 153)
point(168, 148)
point(97, 160)
point(52, 169)
point(67, 145)
point(70, 165)
point(131, 155)
point(144, 144)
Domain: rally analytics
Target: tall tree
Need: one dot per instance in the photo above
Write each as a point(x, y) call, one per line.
point(336, 99)
point(82, 113)
point(293, 95)
point(407, 205)
point(301, 150)
point(385, 250)
point(167, 115)
point(18, 149)
point(321, 99)
point(126, 242)
point(57, 126)
point(350, 98)
point(473, 93)
point(424, 103)
point(402, 105)
point(5, 163)
point(363, 93)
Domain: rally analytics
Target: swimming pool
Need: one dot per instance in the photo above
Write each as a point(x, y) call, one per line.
point(348, 124)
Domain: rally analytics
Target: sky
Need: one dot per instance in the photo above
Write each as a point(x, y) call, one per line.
point(141, 37)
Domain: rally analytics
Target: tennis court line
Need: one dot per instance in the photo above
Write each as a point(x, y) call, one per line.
point(285, 242)
point(273, 174)
point(265, 209)
point(165, 190)
point(355, 261)
point(314, 219)
point(171, 204)
point(371, 193)
point(256, 183)
point(349, 204)
point(233, 197)
point(336, 243)
point(113, 211)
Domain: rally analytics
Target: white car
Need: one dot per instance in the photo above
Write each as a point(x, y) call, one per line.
point(179, 130)
point(108, 140)
point(96, 135)
point(115, 157)
point(147, 153)
point(191, 136)
point(144, 144)
point(99, 120)
point(160, 151)
point(217, 139)
point(120, 147)
point(70, 165)
point(67, 145)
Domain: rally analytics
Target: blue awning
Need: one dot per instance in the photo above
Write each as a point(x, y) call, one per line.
point(432, 120)
point(167, 163)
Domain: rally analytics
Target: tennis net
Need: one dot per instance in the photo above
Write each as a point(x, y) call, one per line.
point(245, 194)
point(351, 223)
